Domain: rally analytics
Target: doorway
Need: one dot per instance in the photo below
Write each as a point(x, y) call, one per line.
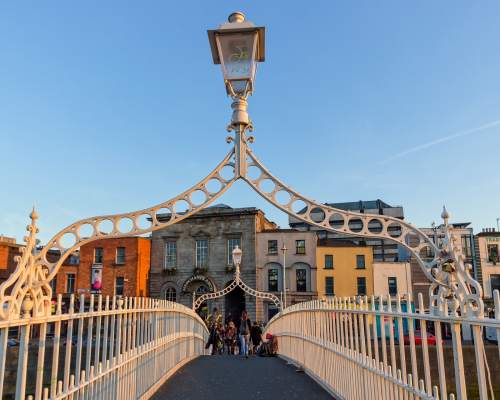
point(234, 304)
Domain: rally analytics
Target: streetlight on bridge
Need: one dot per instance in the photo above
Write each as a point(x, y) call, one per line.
point(238, 46)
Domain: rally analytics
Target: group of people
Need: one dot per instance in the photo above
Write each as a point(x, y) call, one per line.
point(234, 337)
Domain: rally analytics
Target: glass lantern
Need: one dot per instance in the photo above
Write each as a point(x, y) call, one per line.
point(237, 46)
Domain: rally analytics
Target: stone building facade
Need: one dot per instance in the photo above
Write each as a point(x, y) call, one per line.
point(488, 243)
point(195, 256)
point(300, 267)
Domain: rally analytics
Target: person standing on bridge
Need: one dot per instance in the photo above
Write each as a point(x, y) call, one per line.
point(244, 329)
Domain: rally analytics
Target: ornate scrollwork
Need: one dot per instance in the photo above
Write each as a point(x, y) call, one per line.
point(450, 285)
point(33, 273)
point(237, 282)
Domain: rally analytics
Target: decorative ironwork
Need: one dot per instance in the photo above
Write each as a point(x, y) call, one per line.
point(452, 287)
point(237, 282)
point(29, 283)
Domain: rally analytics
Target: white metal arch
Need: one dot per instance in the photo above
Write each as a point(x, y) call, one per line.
point(237, 282)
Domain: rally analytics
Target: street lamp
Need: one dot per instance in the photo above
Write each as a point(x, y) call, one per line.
point(238, 46)
point(237, 258)
point(284, 249)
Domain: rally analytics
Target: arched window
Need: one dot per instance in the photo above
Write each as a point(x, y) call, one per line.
point(302, 277)
point(273, 277)
point(171, 294)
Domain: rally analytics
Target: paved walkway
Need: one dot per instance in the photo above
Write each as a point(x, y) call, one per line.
point(233, 377)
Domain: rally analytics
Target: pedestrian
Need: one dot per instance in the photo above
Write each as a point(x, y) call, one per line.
point(245, 326)
point(256, 337)
point(230, 337)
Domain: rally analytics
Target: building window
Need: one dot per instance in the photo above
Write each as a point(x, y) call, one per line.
point(272, 247)
point(362, 286)
point(53, 285)
point(170, 255)
point(393, 285)
point(493, 253)
point(201, 253)
point(119, 284)
point(73, 259)
point(98, 255)
point(328, 261)
point(494, 283)
point(329, 286)
point(70, 283)
point(360, 261)
point(301, 275)
point(171, 294)
point(272, 310)
point(120, 255)
point(231, 245)
point(272, 280)
point(300, 247)
point(467, 246)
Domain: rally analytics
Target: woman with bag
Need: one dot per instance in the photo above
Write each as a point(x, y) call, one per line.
point(244, 328)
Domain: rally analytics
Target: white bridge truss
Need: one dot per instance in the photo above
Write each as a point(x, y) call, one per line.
point(27, 291)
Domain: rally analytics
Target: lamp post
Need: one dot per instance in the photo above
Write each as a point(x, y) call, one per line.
point(284, 249)
point(237, 259)
point(237, 46)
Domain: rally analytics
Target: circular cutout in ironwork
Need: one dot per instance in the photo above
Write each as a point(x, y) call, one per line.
point(85, 231)
point(412, 240)
point(375, 226)
point(427, 252)
point(394, 230)
point(336, 221)
point(283, 197)
point(198, 197)
point(267, 185)
point(355, 224)
point(299, 206)
point(163, 215)
point(144, 221)
point(317, 215)
point(181, 207)
point(67, 240)
point(125, 225)
point(213, 186)
point(253, 172)
point(227, 172)
point(105, 226)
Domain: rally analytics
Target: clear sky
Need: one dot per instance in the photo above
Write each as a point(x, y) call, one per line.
point(113, 106)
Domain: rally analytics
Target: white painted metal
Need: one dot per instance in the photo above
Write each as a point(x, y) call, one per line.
point(328, 339)
point(237, 282)
point(148, 341)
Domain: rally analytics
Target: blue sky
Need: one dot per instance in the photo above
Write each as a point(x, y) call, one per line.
point(113, 106)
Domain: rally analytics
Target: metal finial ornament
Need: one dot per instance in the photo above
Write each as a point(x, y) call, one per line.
point(445, 215)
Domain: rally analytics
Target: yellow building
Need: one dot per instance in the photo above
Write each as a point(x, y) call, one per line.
point(343, 268)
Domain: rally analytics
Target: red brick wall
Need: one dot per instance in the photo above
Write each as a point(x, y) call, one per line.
point(134, 271)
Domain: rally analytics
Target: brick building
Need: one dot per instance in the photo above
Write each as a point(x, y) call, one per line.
point(195, 255)
point(64, 282)
point(117, 266)
point(8, 250)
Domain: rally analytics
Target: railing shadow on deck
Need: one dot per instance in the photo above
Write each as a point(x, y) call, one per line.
point(389, 348)
point(100, 348)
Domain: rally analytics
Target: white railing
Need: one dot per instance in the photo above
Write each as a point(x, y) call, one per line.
point(102, 348)
point(382, 348)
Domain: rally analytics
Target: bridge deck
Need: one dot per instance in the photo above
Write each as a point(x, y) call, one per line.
point(233, 377)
